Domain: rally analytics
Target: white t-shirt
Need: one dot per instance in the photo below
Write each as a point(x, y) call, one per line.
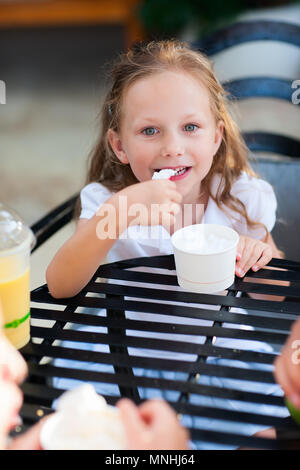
point(256, 194)
point(260, 202)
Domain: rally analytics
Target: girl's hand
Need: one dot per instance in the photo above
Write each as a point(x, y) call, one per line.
point(256, 254)
point(153, 202)
point(253, 254)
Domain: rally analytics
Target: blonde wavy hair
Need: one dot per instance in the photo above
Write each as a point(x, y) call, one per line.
point(150, 58)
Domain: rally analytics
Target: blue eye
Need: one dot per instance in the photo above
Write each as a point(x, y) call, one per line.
point(190, 127)
point(149, 131)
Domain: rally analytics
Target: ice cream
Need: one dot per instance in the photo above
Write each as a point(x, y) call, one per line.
point(163, 174)
point(205, 257)
point(200, 243)
point(83, 421)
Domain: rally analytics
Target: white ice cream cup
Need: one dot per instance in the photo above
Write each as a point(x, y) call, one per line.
point(83, 421)
point(202, 266)
point(99, 431)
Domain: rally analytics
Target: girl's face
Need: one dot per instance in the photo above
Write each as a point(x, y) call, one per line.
point(13, 370)
point(167, 122)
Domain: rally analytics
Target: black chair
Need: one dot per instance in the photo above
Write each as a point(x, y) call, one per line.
point(53, 221)
point(284, 172)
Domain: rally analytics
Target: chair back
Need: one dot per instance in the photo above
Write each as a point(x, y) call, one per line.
point(266, 103)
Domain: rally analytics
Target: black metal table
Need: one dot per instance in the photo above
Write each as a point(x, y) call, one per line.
point(270, 322)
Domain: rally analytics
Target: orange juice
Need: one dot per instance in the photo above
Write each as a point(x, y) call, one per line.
point(15, 299)
point(16, 241)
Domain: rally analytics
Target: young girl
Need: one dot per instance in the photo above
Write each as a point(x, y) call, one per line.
point(165, 110)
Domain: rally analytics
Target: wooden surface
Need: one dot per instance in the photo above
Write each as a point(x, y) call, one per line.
point(72, 12)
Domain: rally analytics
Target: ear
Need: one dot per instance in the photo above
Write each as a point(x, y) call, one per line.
point(219, 135)
point(116, 145)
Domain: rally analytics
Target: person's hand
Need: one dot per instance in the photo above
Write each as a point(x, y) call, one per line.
point(256, 254)
point(13, 370)
point(251, 253)
point(30, 440)
point(11, 400)
point(153, 202)
point(152, 426)
point(287, 366)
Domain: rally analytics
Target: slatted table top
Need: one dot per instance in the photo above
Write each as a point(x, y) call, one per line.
point(148, 286)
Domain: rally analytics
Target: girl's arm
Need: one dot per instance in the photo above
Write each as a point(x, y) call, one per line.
point(78, 259)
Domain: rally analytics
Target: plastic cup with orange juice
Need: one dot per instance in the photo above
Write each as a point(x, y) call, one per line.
point(16, 241)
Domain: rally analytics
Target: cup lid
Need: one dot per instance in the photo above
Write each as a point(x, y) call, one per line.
point(13, 231)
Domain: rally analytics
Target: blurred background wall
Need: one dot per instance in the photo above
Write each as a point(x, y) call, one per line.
point(54, 74)
point(54, 84)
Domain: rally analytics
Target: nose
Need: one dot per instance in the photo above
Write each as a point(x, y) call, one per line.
point(172, 147)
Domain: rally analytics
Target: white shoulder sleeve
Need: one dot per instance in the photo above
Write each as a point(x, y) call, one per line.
point(260, 202)
point(92, 197)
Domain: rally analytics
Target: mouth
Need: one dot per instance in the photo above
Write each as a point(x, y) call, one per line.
point(181, 172)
